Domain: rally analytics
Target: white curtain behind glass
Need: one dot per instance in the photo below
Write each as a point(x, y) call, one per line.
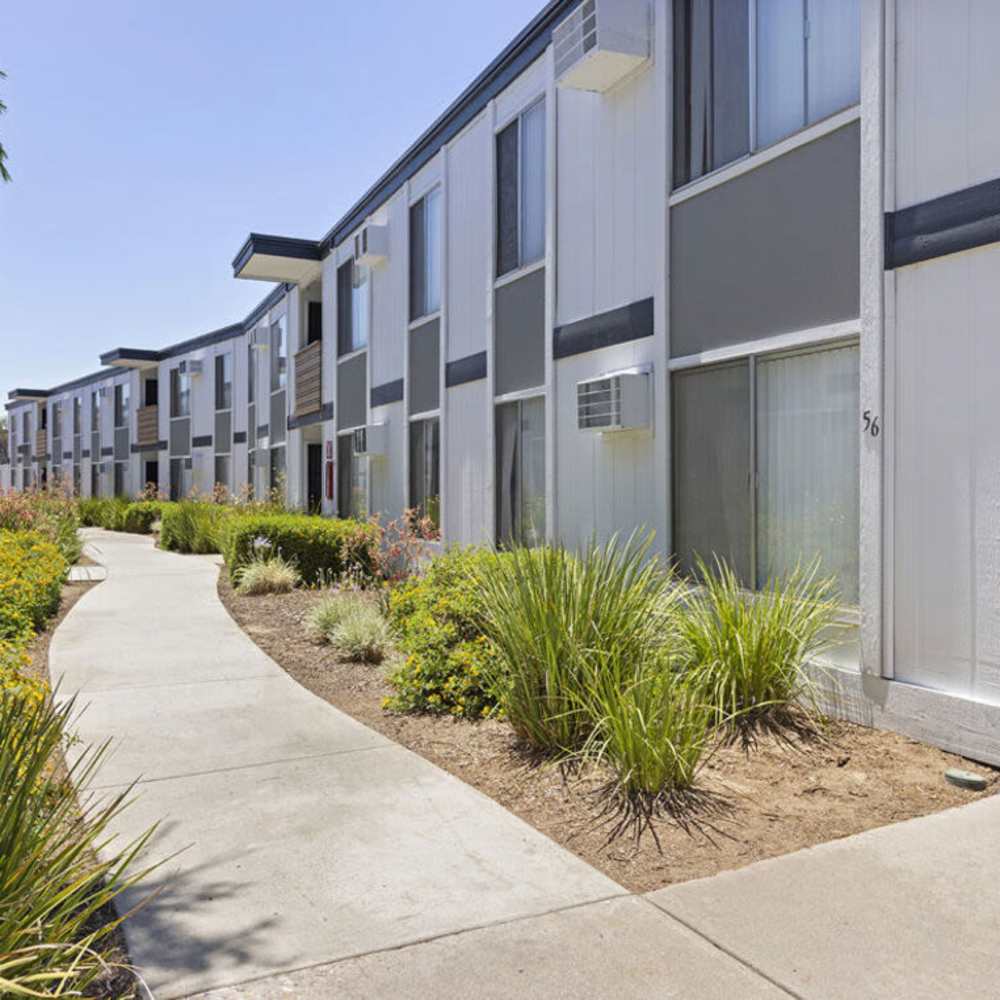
point(532, 527)
point(834, 56)
point(432, 258)
point(359, 307)
point(533, 184)
point(807, 465)
point(780, 69)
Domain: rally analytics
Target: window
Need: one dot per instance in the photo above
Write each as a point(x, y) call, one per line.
point(251, 374)
point(180, 393)
point(151, 389)
point(520, 472)
point(95, 478)
point(77, 414)
point(789, 496)
point(352, 307)
point(314, 322)
point(425, 474)
point(44, 416)
point(119, 479)
point(520, 159)
point(76, 479)
point(223, 381)
point(180, 478)
point(804, 65)
point(251, 466)
point(26, 427)
point(279, 355)
point(95, 412)
point(277, 477)
point(352, 480)
point(425, 255)
point(57, 420)
point(222, 471)
point(121, 404)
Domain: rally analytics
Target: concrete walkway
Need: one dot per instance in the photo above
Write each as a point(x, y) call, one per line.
point(322, 860)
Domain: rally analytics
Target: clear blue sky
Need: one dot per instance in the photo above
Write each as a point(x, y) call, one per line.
point(146, 138)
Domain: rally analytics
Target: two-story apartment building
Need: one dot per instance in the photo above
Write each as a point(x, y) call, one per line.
point(727, 269)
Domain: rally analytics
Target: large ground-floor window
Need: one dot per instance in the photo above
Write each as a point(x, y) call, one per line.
point(223, 472)
point(520, 472)
point(766, 464)
point(95, 479)
point(277, 473)
point(425, 469)
point(180, 478)
point(352, 479)
point(120, 479)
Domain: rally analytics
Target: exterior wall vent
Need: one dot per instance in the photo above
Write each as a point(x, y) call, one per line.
point(616, 402)
point(371, 245)
point(195, 367)
point(600, 43)
point(369, 440)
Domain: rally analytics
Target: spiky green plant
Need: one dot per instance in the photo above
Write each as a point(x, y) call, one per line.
point(748, 651)
point(551, 613)
point(59, 869)
point(360, 634)
point(270, 575)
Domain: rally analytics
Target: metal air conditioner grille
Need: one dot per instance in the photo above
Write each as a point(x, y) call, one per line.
point(599, 404)
point(575, 37)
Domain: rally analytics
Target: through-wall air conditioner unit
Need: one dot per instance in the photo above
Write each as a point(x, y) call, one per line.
point(600, 43)
point(193, 367)
point(616, 402)
point(369, 440)
point(103, 392)
point(258, 338)
point(371, 245)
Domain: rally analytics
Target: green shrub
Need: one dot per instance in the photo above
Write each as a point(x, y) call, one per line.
point(323, 549)
point(103, 512)
point(139, 517)
point(435, 619)
point(272, 575)
point(54, 892)
point(192, 526)
point(353, 626)
point(748, 651)
point(32, 572)
point(50, 514)
point(552, 615)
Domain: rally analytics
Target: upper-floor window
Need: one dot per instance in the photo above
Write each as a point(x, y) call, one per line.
point(251, 374)
point(520, 153)
point(314, 322)
point(223, 381)
point(77, 414)
point(151, 387)
point(352, 307)
point(57, 420)
point(122, 395)
point(732, 97)
point(279, 355)
point(26, 426)
point(43, 413)
point(180, 393)
point(425, 255)
point(95, 411)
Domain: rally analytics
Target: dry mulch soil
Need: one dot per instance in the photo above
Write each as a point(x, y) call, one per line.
point(775, 799)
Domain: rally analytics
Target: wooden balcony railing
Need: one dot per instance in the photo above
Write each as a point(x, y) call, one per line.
point(149, 425)
point(40, 445)
point(308, 379)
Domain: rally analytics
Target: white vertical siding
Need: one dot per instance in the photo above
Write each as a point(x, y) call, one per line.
point(390, 296)
point(947, 475)
point(521, 92)
point(469, 237)
point(605, 482)
point(947, 84)
point(609, 210)
point(467, 517)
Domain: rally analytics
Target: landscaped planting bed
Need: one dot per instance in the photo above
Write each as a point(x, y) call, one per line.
point(781, 794)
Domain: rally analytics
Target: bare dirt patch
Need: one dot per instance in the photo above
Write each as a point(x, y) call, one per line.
point(778, 798)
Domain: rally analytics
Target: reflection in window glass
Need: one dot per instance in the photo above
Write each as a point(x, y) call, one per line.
point(520, 474)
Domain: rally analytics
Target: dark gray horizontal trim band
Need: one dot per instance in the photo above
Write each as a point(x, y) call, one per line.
point(468, 369)
point(130, 354)
point(239, 437)
point(107, 452)
point(138, 449)
point(275, 246)
point(23, 449)
point(202, 441)
point(387, 392)
point(262, 430)
point(526, 47)
point(85, 453)
point(325, 412)
point(28, 393)
point(617, 326)
point(949, 224)
point(67, 455)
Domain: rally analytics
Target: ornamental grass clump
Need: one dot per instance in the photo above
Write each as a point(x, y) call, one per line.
point(564, 623)
point(56, 917)
point(748, 651)
point(352, 626)
point(267, 575)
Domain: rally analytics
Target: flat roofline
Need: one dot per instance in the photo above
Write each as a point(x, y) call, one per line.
point(125, 356)
point(276, 246)
point(26, 395)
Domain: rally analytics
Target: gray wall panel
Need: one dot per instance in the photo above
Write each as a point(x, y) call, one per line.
point(279, 418)
point(180, 436)
point(425, 367)
point(352, 392)
point(223, 432)
point(774, 250)
point(121, 444)
point(519, 329)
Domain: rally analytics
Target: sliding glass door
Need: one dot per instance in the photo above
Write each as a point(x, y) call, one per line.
point(520, 472)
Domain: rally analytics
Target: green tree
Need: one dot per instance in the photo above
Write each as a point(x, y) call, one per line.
point(4, 172)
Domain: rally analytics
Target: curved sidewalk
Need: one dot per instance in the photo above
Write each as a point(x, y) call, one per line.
point(309, 838)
